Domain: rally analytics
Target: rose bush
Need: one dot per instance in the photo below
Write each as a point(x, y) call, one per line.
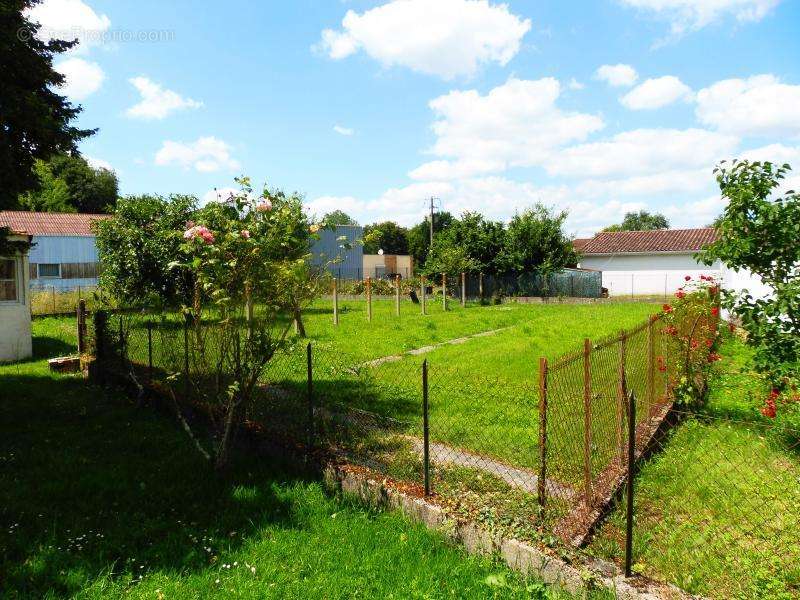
point(691, 323)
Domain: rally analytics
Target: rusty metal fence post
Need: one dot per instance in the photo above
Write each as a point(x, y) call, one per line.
point(542, 481)
point(369, 299)
point(651, 366)
point(150, 351)
point(310, 395)
point(444, 291)
point(587, 421)
point(426, 456)
point(622, 395)
point(463, 289)
point(397, 295)
point(631, 465)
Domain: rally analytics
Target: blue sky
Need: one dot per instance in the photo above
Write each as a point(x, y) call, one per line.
point(594, 107)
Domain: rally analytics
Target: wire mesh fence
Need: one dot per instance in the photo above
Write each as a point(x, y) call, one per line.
point(539, 457)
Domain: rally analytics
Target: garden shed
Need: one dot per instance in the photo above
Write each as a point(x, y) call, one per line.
point(15, 309)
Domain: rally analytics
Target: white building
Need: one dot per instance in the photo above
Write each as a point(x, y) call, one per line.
point(64, 255)
point(655, 263)
point(15, 307)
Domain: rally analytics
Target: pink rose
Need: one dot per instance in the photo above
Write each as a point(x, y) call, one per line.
point(245, 234)
point(199, 231)
point(264, 206)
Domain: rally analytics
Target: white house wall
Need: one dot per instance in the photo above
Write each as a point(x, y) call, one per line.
point(647, 274)
point(663, 273)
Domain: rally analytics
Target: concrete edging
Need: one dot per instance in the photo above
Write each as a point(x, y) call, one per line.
point(519, 556)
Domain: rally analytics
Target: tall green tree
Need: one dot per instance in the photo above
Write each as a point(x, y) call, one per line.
point(137, 246)
point(641, 221)
point(70, 184)
point(419, 237)
point(482, 241)
point(387, 236)
point(535, 242)
point(758, 231)
point(338, 217)
point(35, 121)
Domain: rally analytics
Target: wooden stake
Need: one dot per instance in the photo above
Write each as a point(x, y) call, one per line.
point(397, 295)
point(423, 293)
point(463, 289)
point(335, 301)
point(369, 299)
point(444, 291)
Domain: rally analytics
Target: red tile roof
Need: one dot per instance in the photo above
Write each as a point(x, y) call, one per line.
point(56, 224)
point(580, 243)
point(661, 240)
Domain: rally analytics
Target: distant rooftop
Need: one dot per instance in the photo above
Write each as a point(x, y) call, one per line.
point(660, 240)
point(53, 224)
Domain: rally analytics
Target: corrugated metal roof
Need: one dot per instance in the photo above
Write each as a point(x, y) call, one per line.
point(661, 240)
point(40, 223)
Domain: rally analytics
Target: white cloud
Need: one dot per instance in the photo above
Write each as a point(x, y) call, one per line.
point(642, 152)
point(759, 105)
point(346, 131)
point(688, 15)
point(157, 102)
point(655, 93)
point(447, 38)
point(515, 124)
point(205, 155)
point(617, 75)
point(68, 20)
point(83, 78)
point(574, 84)
point(98, 163)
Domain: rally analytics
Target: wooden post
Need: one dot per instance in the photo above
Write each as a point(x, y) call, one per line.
point(587, 421)
point(423, 293)
point(651, 367)
point(335, 301)
point(542, 481)
point(480, 285)
point(54, 298)
point(463, 289)
point(81, 326)
point(369, 299)
point(622, 395)
point(397, 295)
point(444, 291)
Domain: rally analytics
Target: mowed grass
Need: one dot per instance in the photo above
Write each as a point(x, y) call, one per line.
point(717, 509)
point(483, 390)
point(99, 499)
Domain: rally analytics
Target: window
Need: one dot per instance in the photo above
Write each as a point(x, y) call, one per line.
point(8, 280)
point(51, 270)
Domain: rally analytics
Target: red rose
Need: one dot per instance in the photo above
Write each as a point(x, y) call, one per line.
point(714, 311)
point(713, 357)
point(680, 294)
point(688, 278)
point(667, 308)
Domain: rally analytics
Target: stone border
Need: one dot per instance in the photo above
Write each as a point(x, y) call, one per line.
point(519, 556)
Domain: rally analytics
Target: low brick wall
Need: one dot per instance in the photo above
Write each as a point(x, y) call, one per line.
point(575, 579)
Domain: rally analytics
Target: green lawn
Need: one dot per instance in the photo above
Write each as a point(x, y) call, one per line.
point(718, 508)
point(483, 392)
point(99, 499)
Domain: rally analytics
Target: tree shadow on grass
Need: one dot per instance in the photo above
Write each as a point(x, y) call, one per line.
point(92, 487)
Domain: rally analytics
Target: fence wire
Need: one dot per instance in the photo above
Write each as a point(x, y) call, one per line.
point(538, 456)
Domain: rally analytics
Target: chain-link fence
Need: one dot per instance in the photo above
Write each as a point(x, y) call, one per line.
point(541, 457)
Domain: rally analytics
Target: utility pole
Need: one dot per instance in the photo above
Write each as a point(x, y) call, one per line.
point(431, 223)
